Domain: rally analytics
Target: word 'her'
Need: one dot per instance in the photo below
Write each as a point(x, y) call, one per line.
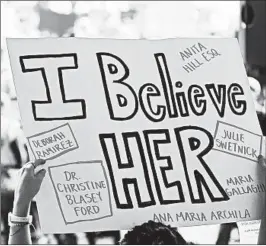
point(194, 143)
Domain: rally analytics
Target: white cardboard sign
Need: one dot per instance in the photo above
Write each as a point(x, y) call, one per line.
point(138, 130)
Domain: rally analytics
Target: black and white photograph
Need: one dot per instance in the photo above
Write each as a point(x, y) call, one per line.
point(133, 122)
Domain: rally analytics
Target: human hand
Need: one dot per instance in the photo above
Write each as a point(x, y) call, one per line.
point(28, 186)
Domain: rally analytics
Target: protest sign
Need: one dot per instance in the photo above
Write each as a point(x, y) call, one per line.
point(138, 130)
point(249, 232)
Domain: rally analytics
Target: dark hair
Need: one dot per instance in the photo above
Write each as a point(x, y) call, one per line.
point(224, 233)
point(152, 233)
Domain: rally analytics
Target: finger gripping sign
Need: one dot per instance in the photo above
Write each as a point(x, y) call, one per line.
point(170, 135)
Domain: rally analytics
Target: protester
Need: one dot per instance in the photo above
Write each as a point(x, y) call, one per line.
point(13, 156)
point(151, 232)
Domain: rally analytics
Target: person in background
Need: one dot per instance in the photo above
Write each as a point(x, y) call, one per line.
point(153, 233)
point(258, 92)
point(148, 233)
point(262, 113)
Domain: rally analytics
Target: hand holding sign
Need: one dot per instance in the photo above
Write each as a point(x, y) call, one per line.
point(28, 186)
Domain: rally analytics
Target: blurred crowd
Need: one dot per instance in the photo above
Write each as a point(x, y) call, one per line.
point(100, 19)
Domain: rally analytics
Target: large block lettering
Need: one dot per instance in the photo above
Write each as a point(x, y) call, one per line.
point(194, 143)
point(57, 106)
point(120, 97)
point(133, 172)
point(168, 192)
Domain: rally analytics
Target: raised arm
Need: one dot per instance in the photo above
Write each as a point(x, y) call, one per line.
point(29, 184)
point(262, 232)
